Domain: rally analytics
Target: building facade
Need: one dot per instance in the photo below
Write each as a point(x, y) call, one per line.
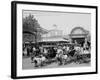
point(78, 34)
point(54, 35)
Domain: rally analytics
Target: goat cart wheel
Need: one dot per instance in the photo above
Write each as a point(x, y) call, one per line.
point(83, 58)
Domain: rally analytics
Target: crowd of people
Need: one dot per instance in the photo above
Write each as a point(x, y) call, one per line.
point(61, 54)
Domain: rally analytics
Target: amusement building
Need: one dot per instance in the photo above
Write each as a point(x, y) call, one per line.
point(56, 36)
point(79, 34)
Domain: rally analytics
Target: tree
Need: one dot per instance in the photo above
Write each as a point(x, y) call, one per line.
point(31, 27)
point(29, 24)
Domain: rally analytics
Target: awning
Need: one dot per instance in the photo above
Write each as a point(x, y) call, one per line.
point(56, 40)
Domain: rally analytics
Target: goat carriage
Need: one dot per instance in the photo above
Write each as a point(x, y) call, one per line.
point(61, 54)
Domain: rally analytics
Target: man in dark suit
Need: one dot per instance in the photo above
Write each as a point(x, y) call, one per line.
point(85, 44)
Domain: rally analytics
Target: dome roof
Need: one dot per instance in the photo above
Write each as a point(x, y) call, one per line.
point(78, 30)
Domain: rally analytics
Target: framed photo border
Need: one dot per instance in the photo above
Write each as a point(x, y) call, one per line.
point(14, 38)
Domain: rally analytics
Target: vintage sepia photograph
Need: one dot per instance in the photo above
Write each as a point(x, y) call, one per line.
point(56, 39)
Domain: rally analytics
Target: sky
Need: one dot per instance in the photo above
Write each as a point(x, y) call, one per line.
point(64, 21)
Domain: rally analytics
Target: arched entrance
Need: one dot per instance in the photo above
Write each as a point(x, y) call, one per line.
point(78, 34)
